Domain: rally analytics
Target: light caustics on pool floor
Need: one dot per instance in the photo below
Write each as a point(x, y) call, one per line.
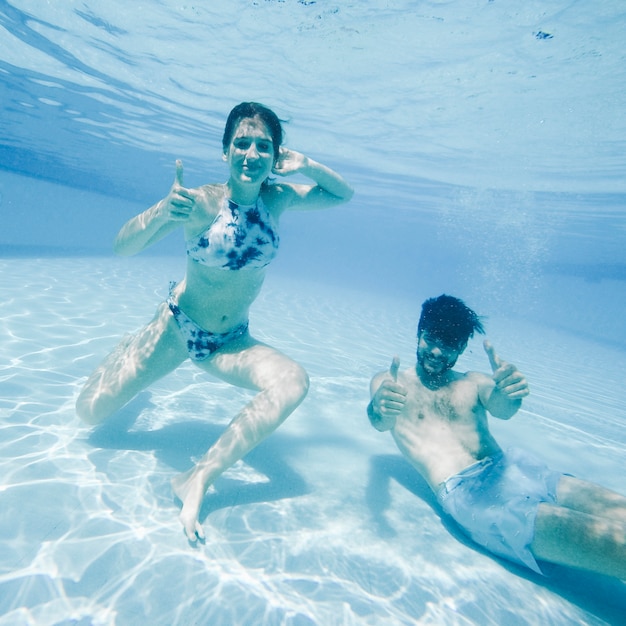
point(322, 524)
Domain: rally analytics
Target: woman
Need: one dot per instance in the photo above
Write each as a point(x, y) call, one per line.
point(231, 233)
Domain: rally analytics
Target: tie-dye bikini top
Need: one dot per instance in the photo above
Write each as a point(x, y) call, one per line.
point(240, 237)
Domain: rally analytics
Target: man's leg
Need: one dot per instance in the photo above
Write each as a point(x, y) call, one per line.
point(585, 529)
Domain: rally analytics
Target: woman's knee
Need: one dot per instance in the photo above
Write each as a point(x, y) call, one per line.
point(89, 409)
point(97, 401)
point(296, 382)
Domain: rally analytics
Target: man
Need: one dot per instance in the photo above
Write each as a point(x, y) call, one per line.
point(508, 502)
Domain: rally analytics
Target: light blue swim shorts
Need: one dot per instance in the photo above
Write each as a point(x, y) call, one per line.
point(495, 502)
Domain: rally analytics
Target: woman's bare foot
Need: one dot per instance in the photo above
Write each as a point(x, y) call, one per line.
point(190, 492)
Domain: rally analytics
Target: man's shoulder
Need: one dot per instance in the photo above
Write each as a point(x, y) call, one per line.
point(407, 374)
point(472, 377)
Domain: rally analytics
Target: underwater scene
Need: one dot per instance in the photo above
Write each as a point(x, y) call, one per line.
point(472, 148)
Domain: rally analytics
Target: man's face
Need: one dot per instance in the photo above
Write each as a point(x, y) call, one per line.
point(434, 356)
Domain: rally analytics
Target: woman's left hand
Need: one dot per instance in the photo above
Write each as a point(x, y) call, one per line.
point(289, 162)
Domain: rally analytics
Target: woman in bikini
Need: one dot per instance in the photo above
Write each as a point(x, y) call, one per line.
point(231, 233)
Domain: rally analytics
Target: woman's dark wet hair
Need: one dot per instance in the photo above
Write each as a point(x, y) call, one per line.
point(449, 320)
point(249, 110)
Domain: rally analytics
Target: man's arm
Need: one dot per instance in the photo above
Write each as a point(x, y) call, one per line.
point(388, 398)
point(502, 394)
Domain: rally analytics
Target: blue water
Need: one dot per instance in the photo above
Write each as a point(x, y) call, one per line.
point(486, 142)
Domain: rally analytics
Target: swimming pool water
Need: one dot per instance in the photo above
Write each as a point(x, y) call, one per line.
point(488, 162)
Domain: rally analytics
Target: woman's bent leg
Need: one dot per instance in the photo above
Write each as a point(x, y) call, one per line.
point(137, 362)
point(282, 385)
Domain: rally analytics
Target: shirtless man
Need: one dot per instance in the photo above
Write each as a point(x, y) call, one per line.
point(509, 502)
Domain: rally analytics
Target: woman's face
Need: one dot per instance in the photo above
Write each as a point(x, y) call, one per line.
point(250, 153)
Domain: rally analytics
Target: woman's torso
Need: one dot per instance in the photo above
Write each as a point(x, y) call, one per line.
point(229, 246)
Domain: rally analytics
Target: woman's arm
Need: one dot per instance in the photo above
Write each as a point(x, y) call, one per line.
point(330, 188)
point(143, 230)
point(160, 219)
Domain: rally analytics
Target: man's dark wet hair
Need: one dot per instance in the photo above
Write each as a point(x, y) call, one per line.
point(449, 320)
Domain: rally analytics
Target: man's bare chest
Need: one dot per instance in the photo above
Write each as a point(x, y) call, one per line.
point(454, 403)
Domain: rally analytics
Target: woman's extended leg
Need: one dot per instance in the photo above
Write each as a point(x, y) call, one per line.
point(585, 529)
point(282, 385)
point(137, 362)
